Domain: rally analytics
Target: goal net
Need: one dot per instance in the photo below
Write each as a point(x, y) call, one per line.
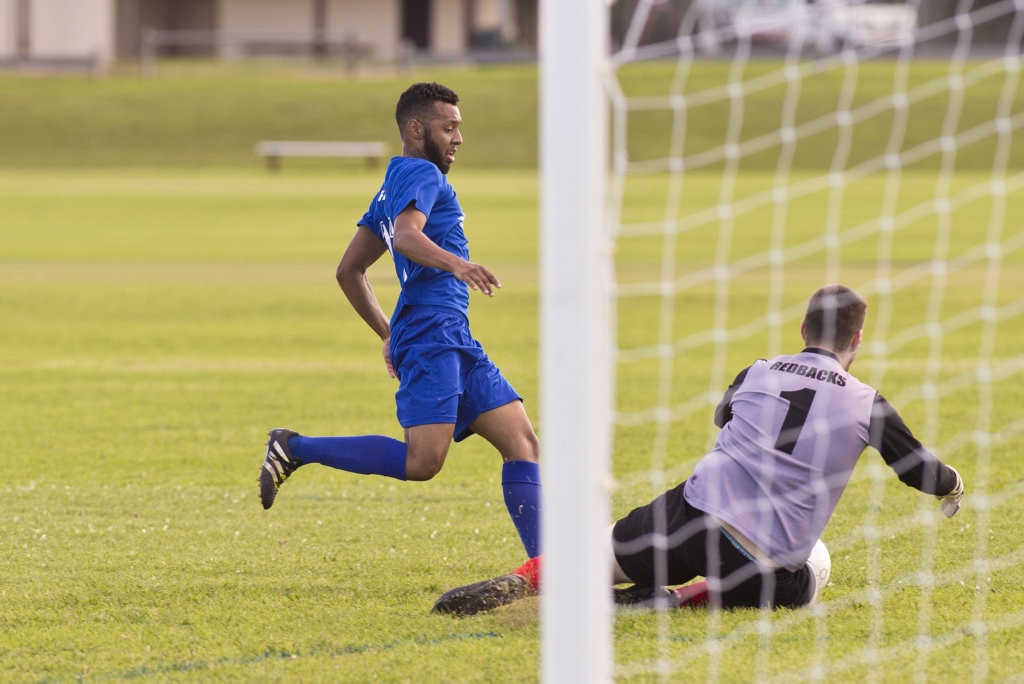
point(757, 150)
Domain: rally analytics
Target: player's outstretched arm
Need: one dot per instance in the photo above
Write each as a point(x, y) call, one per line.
point(914, 465)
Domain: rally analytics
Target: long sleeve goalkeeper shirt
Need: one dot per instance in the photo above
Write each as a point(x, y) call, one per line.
point(793, 428)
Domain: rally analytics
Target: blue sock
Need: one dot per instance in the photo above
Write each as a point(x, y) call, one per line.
point(366, 455)
point(520, 483)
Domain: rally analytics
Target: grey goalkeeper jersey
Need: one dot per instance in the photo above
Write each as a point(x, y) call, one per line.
point(793, 428)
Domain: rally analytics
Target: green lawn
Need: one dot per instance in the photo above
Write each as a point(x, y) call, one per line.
point(203, 116)
point(158, 323)
point(164, 301)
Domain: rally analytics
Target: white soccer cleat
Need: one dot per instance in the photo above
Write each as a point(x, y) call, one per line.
point(820, 565)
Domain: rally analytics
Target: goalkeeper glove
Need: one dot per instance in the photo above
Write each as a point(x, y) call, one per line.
point(950, 503)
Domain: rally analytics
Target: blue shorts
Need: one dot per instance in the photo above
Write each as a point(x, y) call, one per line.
point(444, 375)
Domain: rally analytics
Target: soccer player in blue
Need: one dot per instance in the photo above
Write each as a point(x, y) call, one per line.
point(448, 387)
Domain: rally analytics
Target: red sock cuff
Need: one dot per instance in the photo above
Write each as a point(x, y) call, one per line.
point(695, 595)
point(530, 570)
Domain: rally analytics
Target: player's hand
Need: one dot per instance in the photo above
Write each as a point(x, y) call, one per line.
point(477, 277)
point(950, 503)
point(387, 357)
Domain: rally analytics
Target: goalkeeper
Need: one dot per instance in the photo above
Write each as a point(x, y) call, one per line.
point(750, 517)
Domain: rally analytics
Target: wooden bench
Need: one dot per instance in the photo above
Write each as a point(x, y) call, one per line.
point(372, 152)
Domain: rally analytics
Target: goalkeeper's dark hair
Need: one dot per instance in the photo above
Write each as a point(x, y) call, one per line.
point(417, 102)
point(835, 313)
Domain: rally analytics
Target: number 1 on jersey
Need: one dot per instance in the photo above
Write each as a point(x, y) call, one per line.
point(799, 406)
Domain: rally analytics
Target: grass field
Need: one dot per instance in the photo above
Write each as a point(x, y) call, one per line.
point(200, 116)
point(161, 312)
point(157, 325)
point(159, 322)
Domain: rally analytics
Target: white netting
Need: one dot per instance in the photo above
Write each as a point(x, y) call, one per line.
point(761, 150)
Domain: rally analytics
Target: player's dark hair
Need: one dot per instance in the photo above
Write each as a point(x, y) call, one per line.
point(835, 313)
point(417, 102)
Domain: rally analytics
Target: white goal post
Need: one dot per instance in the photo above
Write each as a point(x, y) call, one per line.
point(575, 364)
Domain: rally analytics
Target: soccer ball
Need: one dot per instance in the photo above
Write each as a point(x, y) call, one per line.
point(820, 565)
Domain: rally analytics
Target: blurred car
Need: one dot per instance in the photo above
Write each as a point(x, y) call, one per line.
point(825, 25)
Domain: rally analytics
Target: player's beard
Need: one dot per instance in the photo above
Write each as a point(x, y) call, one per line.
point(434, 153)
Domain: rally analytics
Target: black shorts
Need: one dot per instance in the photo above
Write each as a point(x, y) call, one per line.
point(669, 542)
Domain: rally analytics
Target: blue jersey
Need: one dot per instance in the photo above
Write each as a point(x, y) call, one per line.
point(412, 181)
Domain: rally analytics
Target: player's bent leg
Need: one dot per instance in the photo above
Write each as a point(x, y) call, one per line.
point(427, 449)
point(509, 430)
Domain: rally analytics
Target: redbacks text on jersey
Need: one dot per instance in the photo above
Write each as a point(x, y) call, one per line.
point(823, 374)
